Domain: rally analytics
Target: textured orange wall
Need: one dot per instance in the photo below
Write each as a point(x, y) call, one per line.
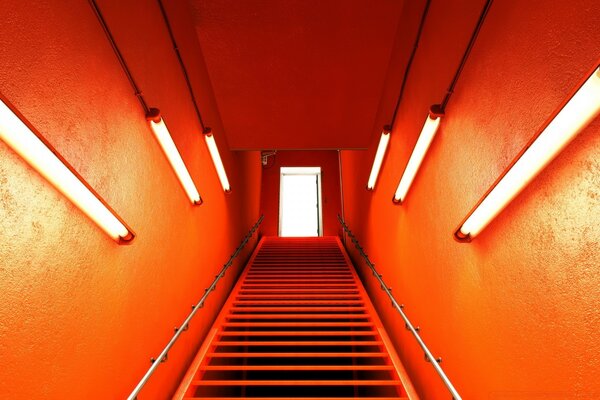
point(80, 316)
point(330, 187)
point(514, 314)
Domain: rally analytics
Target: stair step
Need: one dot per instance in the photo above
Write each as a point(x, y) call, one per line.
point(297, 368)
point(296, 355)
point(309, 309)
point(298, 343)
point(296, 383)
point(294, 290)
point(313, 324)
point(297, 398)
point(297, 333)
point(297, 316)
point(299, 296)
point(298, 302)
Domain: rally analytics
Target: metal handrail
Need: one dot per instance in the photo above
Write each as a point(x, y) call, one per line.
point(400, 308)
point(184, 326)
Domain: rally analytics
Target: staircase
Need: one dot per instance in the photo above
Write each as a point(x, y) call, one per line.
point(297, 325)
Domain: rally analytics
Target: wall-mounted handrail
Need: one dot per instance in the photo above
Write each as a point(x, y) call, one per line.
point(162, 357)
point(400, 308)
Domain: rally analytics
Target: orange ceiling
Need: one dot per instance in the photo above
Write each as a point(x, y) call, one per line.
point(297, 74)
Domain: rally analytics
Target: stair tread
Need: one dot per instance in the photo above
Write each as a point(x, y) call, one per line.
point(297, 333)
point(310, 382)
point(298, 343)
point(297, 355)
point(297, 367)
point(298, 316)
point(296, 302)
point(297, 398)
point(261, 309)
point(314, 324)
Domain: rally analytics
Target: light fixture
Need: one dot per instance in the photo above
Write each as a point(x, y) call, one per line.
point(575, 115)
point(416, 158)
point(166, 142)
point(379, 155)
point(216, 158)
point(46, 161)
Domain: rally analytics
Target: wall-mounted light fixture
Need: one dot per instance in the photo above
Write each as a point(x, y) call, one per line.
point(418, 154)
point(379, 156)
point(47, 162)
point(433, 120)
point(153, 116)
point(216, 158)
point(387, 129)
point(575, 115)
point(208, 136)
point(166, 143)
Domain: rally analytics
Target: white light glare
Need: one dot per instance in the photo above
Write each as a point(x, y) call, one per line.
point(579, 111)
point(416, 158)
point(32, 149)
point(216, 158)
point(166, 142)
point(381, 149)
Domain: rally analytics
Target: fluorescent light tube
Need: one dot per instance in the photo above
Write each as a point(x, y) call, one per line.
point(576, 114)
point(166, 143)
point(418, 154)
point(379, 155)
point(216, 158)
point(46, 161)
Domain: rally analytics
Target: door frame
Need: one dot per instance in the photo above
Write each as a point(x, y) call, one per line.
point(301, 171)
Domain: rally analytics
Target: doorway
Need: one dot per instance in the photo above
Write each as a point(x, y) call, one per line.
point(300, 211)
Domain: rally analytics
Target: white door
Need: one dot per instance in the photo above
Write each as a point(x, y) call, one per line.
point(300, 202)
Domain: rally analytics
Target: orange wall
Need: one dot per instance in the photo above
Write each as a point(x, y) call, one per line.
point(80, 316)
point(330, 187)
point(514, 314)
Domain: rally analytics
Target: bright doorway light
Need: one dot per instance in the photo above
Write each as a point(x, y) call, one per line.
point(300, 202)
